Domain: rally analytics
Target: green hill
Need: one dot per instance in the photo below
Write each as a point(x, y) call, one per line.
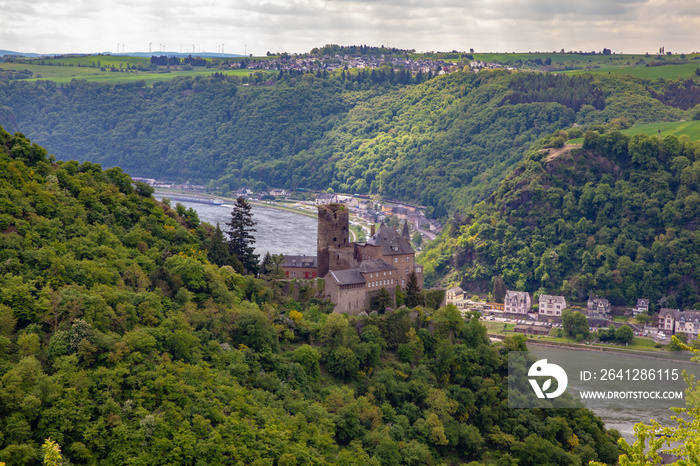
point(617, 217)
point(444, 142)
point(122, 342)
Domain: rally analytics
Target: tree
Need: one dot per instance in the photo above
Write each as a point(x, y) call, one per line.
point(343, 363)
point(679, 341)
point(499, 289)
point(381, 300)
point(417, 239)
point(270, 265)
point(624, 334)
point(414, 296)
point(241, 240)
point(218, 251)
point(574, 323)
point(52, 453)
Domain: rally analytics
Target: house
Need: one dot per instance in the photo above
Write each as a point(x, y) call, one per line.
point(326, 198)
point(517, 302)
point(598, 307)
point(667, 320)
point(688, 322)
point(453, 295)
point(551, 306)
point(641, 307)
point(531, 329)
point(278, 192)
point(299, 267)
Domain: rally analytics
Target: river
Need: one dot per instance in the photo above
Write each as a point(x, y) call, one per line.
point(278, 231)
point(623, 415)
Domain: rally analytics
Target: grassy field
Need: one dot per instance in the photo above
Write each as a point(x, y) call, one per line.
point(675, 128)
point(96, 61)
point(64, 74)
point(99, 68)
point(679, 128)
point(668, 72)
point(150, 78)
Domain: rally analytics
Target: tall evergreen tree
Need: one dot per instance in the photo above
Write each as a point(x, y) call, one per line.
point(499, 289)
point(414, 297)
point(218, 251)
point(241, 240)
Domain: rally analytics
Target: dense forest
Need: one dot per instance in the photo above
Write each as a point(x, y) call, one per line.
point(617, 217)
point(121, 341)
point(441, 141)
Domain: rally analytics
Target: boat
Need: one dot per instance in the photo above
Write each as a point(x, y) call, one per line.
point(202, 200)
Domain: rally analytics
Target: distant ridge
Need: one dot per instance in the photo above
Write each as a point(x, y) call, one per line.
point(9, 52)
point(129, 54)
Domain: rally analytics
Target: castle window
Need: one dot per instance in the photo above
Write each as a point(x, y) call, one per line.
point(406, 258)
point(396, 259)
point(403, 282)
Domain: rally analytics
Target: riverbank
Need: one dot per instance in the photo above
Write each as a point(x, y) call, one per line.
point(230, 201)
point(647, 354)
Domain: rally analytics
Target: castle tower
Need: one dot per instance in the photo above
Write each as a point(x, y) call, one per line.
point(333, 234)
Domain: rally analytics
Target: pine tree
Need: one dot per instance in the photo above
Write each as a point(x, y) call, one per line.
point(218, 250)
point(414, 297)
point(241, 240)
point(499, 289)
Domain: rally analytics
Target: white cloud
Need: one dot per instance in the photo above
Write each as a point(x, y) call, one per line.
point(299, 25)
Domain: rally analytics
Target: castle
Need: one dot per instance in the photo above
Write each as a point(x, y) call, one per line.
point(355, 271)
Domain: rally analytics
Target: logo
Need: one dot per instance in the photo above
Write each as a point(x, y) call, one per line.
point(543, 369)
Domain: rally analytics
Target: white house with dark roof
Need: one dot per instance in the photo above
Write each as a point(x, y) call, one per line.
point(517, 302)
point(688, 322)
point(551, 306)
point(454, 295)
point(641, 307)
point(598, 307)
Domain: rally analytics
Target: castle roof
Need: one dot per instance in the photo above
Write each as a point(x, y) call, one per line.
point(405, 233)
point(391, 241)
point(347, 277)
point(299, 261)
point(374, 266)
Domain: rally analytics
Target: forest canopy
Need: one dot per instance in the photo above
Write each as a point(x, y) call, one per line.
point(122, 342)
point(440, 141)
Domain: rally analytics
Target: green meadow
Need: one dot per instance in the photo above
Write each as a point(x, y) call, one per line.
point(149, 78)
point(679, 128)
point(65, 74)
point(668, 72)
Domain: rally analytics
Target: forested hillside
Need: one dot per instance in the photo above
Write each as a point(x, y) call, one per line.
point(122, 342)
point(444, 142)
point(617, 217)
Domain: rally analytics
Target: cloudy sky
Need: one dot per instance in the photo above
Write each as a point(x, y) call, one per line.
point(258, 26)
